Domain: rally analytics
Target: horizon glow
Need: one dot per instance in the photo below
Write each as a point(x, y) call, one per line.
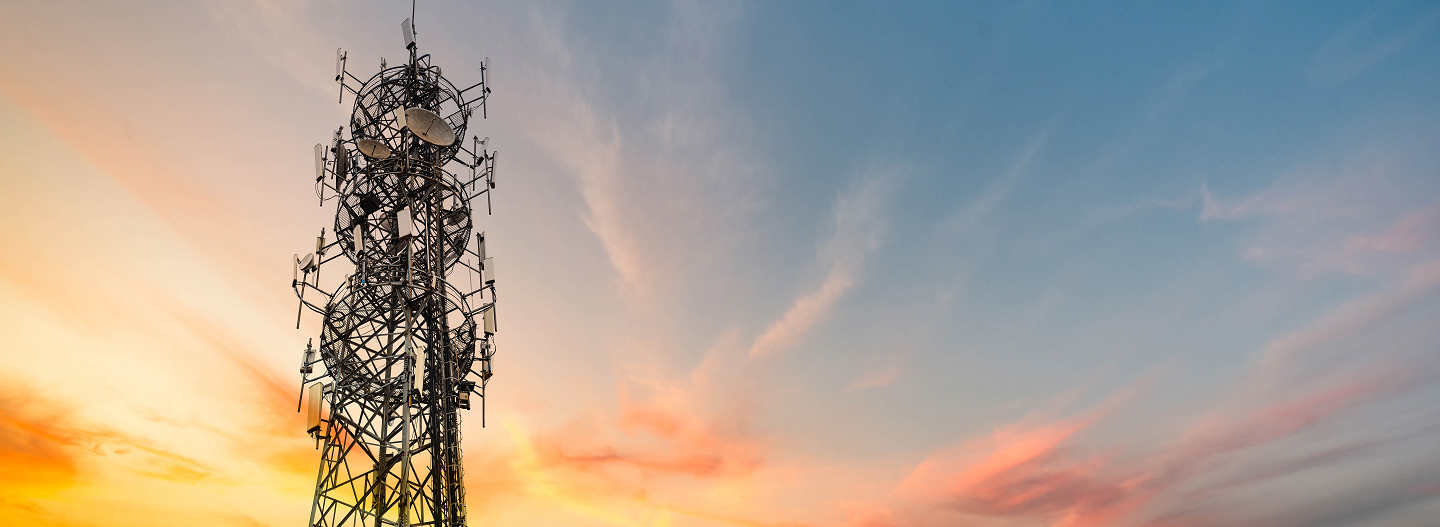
point(765, 264)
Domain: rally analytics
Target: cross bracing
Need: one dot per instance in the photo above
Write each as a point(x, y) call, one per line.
point(402, 347)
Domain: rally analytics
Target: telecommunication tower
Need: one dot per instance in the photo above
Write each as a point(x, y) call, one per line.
point(402, 348)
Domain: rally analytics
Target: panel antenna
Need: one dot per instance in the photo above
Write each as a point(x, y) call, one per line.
point(402, 348)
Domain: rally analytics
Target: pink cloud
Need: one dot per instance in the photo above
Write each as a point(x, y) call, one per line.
point(1329, 223)
point(1028, 469)
point(1351, 318)
point(1412, 232)
point(1036, 469)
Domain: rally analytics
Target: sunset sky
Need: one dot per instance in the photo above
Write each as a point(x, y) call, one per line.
point(779, 264)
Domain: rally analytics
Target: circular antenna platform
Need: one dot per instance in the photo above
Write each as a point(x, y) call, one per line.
point(380, 114)
point(429, 127)
point(373, 149)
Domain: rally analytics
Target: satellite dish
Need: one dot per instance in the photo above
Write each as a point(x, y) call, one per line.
point(373, 149)
point(429, 127)
point(307, 263)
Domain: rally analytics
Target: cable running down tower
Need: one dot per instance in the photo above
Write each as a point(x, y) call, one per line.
point(402, 348)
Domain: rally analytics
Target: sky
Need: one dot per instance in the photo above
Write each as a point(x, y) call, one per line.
point(774, 264)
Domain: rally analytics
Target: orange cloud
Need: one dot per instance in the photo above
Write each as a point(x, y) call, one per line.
point(664, 454)
point(665, 434)
point(37, 446)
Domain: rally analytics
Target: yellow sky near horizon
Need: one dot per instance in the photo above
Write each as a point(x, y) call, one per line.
point(107, 307)
point(694, 332)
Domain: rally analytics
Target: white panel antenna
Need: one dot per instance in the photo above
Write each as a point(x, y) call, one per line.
point(312, 414)
point(397, 194)
point(405, 223)
point(419, 371)
point(319, 161)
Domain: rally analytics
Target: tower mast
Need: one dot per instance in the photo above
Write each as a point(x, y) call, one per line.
point(402, 348)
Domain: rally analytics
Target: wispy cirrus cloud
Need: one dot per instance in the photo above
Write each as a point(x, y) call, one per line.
point(1357, 48)
point(1039, 468)
point(1348, 219)
point(1352, 318)
point(1267, 427)
point(877, 377)
point(859, 227)
point(665, 180)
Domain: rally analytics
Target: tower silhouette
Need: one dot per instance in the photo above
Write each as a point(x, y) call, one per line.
point(402, 348)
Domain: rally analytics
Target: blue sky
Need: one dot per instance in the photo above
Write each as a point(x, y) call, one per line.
point(783, 263)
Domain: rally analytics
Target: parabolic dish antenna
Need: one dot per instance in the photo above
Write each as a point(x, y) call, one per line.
point(373, 149)
point(429, 127)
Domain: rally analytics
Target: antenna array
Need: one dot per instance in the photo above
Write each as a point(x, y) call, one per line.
point(402, 349)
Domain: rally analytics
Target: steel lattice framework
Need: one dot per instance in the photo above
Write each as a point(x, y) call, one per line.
point(402, 348)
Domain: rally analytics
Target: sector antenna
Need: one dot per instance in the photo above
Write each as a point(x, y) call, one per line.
point(406, 341)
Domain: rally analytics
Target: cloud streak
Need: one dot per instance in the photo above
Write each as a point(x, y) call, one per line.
point(1037, 468)
point(859, 228)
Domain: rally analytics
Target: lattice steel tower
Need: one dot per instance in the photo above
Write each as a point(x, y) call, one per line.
point(400, 348)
